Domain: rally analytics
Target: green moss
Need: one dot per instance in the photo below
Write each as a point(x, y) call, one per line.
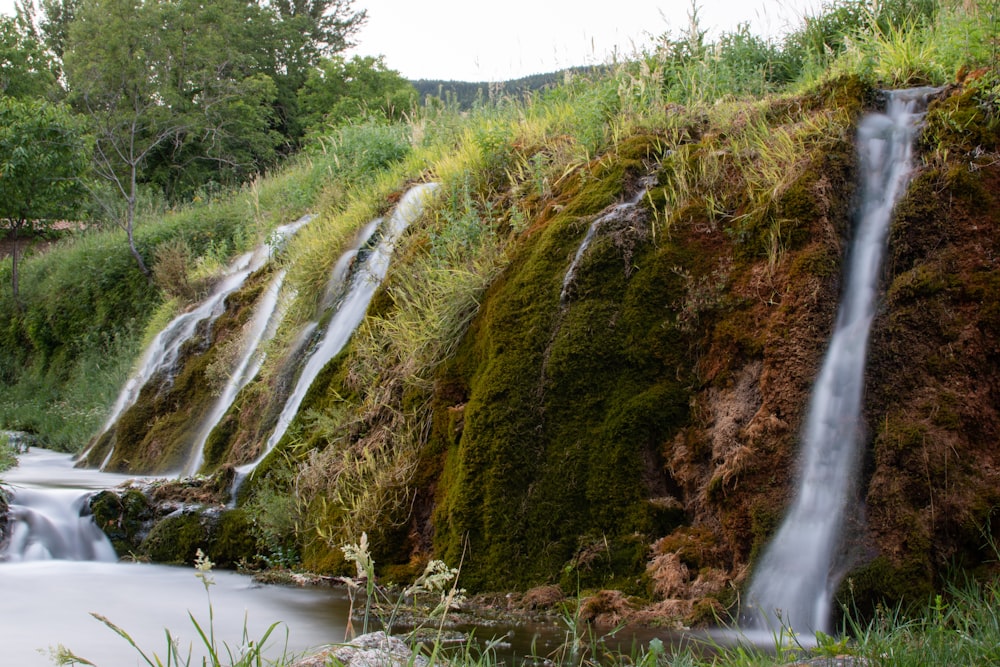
point(962, 122)
point(564, 406)
point(882, 584)
point(764, 521)
point(603, 563)
point(123, 518)
point(176, 539)
point(232, 541)
point(224, 537)
point(155, 435)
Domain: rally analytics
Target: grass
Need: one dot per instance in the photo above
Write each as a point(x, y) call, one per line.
point(499, 166)
point(8, 456)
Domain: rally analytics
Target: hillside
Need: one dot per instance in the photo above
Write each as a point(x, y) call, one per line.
point(589, 362)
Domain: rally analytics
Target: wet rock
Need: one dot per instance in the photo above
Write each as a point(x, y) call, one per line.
point(375, 649)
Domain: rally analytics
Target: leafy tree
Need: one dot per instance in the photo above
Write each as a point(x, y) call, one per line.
point(54, 23)
point(340, 90)
point(173, 94)
point(326, 26)
point(26, 70)
point(42, 160)
point(110, 65)
point(309, 31)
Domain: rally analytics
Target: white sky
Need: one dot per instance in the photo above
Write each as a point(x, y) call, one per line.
point(473, 40)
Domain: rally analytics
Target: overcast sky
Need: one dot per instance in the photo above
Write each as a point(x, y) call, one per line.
point(473, 40)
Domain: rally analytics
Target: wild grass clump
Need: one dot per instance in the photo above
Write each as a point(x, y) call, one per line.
point(8, 458)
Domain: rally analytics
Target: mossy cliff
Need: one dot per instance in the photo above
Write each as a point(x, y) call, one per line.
point(634, 424)
point(661, 397)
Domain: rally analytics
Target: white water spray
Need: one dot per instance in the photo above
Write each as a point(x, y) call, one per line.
point(349, 313)
point(162, 353)
point(49, 516)
point(794, 583)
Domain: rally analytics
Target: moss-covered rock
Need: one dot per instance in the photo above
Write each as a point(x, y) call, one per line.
point(125, 517)
point(156, 434)
point(223, 536)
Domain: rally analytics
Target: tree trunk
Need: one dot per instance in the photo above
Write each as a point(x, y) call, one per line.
point(14, 279)
point(130, 222)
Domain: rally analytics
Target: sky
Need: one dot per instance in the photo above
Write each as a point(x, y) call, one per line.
point(497, 40)
point(473, 40)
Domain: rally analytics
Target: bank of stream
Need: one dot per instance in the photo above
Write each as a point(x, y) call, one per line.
point(53, 588)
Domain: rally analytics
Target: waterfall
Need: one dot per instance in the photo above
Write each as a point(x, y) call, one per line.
point(54, 524)
point(268, 314)
point(618, 211)
point(49, 510)
point(161, 355)
point(794, 583)
point(348, 314)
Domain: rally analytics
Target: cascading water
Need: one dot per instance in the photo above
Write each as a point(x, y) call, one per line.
point(49, 519)
point(794, 583)
point(162, 353)
point(617, 212)
point(263, 325)
point(349, 313)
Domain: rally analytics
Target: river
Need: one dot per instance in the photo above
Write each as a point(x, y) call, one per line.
point(48, 602)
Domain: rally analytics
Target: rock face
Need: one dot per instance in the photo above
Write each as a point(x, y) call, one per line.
point(375, 649)
point(634, 426)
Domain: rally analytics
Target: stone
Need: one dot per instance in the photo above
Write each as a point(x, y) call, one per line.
point(375, 649)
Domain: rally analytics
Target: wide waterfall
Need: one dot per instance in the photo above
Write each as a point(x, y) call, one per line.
point(794, 583)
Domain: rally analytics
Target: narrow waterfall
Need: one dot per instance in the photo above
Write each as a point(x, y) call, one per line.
point(794, 582)
point(161, 355)
point(268, 314)
point(618, 211)
point(348, 314)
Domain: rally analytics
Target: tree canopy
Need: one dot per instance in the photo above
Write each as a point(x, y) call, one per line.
point(42, 160)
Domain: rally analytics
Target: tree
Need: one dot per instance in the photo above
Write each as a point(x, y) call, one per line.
point(325, 26)
point(340, 90)
point(173, 94)
point(42, 161)
point(110, 66)
point(309, 31)
point(26, 70)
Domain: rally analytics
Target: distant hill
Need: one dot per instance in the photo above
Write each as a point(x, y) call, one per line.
point(467, 93)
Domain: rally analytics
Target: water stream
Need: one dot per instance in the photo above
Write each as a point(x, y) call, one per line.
point(617, 212)
point(268, 314)
point(57, 568)
point(161, 355)
point(348, 314)
point(794, 583)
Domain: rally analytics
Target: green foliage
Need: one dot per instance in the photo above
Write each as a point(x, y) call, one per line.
point(340, 91)
point(41, 166)
point(26, 70)
point(8, 459)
